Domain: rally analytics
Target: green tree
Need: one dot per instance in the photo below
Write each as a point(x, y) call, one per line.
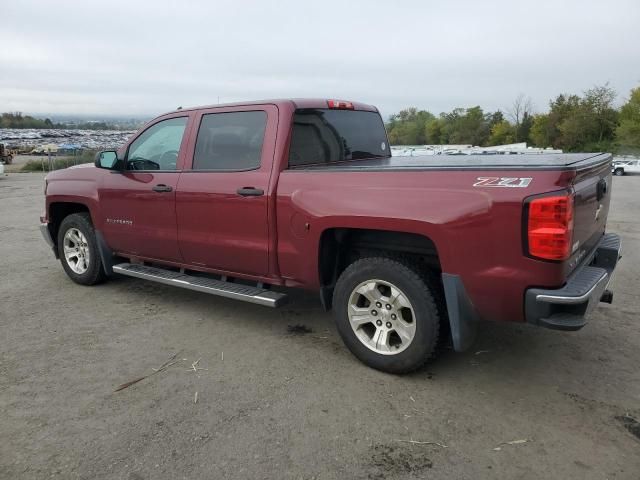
point(408, 127)
point(628, 131)
point(502, 133)
point(561, 108)
point(466, 126)
point(539, 133)
point(434, 131)
point(523, 130)
point(599, 102)
point(577, 123)
point(590, 124)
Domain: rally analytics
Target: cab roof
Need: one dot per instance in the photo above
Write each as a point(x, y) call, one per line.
point(295, 102)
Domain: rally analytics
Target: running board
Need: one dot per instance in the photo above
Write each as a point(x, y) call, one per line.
point(260, 296)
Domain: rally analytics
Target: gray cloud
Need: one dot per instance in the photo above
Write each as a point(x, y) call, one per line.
point(146, 57)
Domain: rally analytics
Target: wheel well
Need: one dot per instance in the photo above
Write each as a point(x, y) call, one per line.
point(339, 247)
point(58, 211)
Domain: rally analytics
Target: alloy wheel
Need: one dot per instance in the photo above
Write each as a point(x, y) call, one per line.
point(382, 317)
point(76, 251)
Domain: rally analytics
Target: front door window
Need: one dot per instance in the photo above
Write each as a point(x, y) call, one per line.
point(158, 146)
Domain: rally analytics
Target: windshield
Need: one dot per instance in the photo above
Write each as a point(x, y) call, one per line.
point(328, 136)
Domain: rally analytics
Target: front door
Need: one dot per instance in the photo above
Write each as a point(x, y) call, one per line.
point(138, 204)
point(222, 201)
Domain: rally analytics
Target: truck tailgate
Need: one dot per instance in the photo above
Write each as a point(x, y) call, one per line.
point(592, 186)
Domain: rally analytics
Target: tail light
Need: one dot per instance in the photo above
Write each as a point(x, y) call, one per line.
point(340, 104)
point(550, 226)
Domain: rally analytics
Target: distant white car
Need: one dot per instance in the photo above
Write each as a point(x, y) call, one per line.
point(1, 168)
point(622, 167)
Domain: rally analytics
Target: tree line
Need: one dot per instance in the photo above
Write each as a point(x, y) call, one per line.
point(587, 122)
point(18, 120)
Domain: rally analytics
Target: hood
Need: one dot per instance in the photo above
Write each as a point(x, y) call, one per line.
point(82, 165)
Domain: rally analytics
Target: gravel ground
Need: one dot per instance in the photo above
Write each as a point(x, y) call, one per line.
point(277, 404)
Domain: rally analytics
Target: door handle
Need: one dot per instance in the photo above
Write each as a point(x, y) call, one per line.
point(250, 192)
point(162, 188)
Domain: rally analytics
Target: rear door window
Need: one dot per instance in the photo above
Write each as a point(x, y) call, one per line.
point(230, 141)
point(322, 136)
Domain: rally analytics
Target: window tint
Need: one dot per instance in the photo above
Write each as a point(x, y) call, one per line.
point(158, 146)
point(230, 141)
point(327, 136)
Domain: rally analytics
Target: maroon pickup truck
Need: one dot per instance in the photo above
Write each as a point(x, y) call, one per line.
point(236, 199)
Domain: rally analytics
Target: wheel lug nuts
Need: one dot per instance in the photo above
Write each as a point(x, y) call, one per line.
point(388, 306)
point(379, 322)
point(378, 304)
point(388, 324)
point(393, 316)
point(374, 312)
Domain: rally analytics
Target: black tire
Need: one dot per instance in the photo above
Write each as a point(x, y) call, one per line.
point(618, 172)
point(416, 287)
point(94, 273)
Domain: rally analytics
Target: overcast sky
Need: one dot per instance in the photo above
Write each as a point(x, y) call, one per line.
point(141, 58)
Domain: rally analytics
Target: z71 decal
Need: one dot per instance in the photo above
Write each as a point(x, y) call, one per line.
point(506, 182)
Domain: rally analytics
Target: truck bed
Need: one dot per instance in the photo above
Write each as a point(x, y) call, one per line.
point(552, 161)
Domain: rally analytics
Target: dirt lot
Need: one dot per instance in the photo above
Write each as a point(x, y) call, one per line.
point(19, 161)
point(299, 406)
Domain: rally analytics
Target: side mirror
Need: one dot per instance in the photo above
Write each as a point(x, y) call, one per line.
point(106, 159)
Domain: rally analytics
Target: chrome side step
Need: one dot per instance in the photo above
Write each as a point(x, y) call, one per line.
point(260, 296)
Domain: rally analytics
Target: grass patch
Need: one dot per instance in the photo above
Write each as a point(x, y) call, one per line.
point(57, 163)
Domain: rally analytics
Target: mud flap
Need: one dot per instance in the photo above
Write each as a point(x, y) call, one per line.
point(462, 316)
point(106, 255)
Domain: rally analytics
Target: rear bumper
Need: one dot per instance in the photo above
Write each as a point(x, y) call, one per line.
point(566, 308)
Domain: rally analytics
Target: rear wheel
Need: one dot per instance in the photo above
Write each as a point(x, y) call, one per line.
point(618, 172)
point(386, 314)
point(78, 250)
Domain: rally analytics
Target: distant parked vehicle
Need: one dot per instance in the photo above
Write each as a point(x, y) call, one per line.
point(5, 156)
point(45, 149)
point(623, 167)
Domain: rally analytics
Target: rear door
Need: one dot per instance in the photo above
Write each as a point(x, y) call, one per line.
point(138, 204)
point(222, 198)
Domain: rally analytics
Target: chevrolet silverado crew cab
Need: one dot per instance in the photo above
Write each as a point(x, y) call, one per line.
point(234, 200)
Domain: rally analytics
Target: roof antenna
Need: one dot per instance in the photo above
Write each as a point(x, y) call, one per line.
point(180, 107)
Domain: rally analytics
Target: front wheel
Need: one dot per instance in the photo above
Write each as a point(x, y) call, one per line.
point(78, 250)
point(618, 172)
point(386, 314)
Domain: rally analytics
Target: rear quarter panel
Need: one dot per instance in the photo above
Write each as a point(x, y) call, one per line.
point(477, 230)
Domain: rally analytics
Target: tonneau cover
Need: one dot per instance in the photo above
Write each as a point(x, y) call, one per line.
point(544, 161)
